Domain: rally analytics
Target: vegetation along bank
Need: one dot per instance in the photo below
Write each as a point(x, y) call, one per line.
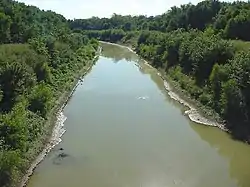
point(40, 61)
point(202, 49)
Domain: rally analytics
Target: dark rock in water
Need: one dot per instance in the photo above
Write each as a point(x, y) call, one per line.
point(63, 155)
point(61, 149)
point(59, 158)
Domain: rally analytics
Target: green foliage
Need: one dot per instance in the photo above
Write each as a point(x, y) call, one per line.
point(39, 59)
point(241, 45)
point(10, 162)
point(40, 99)
point(19, 23)
point(114, 35)
point(218, 76)
point(232, 20)
point(13, 131)
point(5, 23)
point(15, 78)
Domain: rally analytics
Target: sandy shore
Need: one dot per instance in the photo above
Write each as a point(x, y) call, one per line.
point(192, 113)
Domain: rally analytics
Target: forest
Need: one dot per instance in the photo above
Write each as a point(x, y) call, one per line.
point(39, 58)
point(203, 49)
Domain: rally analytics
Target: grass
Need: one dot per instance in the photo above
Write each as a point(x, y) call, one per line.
point(241, 45)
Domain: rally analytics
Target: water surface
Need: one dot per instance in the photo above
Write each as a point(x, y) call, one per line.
point(124, 131)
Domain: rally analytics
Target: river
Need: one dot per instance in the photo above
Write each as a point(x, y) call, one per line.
point(122, 130)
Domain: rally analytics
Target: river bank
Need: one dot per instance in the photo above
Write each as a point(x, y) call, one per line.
point(108, 144)
point(193, 113)
point(55, 121)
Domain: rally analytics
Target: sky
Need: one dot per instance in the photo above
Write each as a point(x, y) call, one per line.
point(72, 9)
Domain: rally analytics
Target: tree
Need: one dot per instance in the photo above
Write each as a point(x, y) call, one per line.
point(5, 23)
point(9, 164)
point(15, 79)
point(40, 99)
point(13, 129)
point(218, 76)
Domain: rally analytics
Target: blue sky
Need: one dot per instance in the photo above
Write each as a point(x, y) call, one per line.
point(105, 8)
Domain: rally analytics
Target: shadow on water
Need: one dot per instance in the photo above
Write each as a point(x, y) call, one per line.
point(236, 152)
point(240, 130)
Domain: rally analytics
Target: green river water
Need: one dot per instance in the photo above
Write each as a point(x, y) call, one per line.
point(122, 130)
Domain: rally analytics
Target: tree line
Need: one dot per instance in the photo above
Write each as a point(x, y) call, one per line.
point(39, 58)
point(203, 48)
point(230, 20)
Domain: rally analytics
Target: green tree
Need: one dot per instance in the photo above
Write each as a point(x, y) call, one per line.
point(9, 164)
point(5, 23)
point(40, 99)
point(13, 129)
point(219, 75)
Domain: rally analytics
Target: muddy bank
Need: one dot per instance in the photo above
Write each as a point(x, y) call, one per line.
point(129, 48)
point(193, 113)
point(55, 139)
point(58, 125)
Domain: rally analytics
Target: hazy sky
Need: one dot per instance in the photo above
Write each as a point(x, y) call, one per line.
point(105, 8)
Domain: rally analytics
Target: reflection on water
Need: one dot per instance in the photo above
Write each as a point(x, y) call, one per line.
point(123, 130)
point(116, 54)
point(236, 152)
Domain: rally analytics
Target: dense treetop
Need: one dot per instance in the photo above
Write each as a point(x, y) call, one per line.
point(229, 19)
point(20, 22)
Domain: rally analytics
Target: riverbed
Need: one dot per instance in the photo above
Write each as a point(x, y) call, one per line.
point(123, 130)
